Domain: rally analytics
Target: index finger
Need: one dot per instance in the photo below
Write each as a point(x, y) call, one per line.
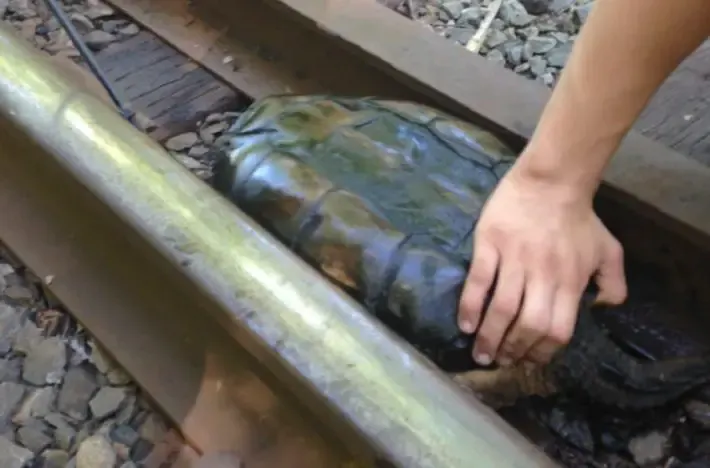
point(478, 283)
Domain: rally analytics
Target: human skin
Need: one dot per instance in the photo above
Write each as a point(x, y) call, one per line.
point(538, 236)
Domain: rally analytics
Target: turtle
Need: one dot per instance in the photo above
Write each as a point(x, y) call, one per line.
point(382, 197)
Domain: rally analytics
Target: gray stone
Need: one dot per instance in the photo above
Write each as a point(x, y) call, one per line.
point(107, 401)
point(54, 458)
point(118, 377)
point(27, 338)
point(698, 412)
point(514, 54)
point(557, 6)
point(129, 31)
point(513, 12)
point(538, 65)
point(13, 456)
point(527, 33)
point(95, 452)
point(9, 326)
point(81, 23)
point(33, 437)
point(496, 56)
point(125, 415)
point(11, 394)
point(99, 40)
point(471, 16)
point(649, 449)
point(453, 9)
point(125, 435)
point(99, 10)
point(10, 370)
point(36, 405)
point(459, 35)
point(495, 38)
point(581, 13)
point(78, 388)
point(153, 428)
point(536, 7)
point(558, 56)
point(541, 44)
point(182, 142)
point(547, 78)
point(560, 36)
point(197, 151)
point(45, 362)
point(19, 294)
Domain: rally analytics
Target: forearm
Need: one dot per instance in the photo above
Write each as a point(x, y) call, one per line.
point(625, 51)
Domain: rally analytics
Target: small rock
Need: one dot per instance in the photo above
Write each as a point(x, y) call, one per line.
point(541, 44)
point(536, 7)
point(19, 294)
point(496, 38)
point(10, 370)
point(63, 432)
point(82, 24)
point(649, 449)
point(558, 56)
point(189, 163)
point(182, 142)
point(496, 56)
point(10, 396)
point(471, 16)
point(141, 450)
point(118, 377)
point(527, 33)
point(208, 133)
point(99, 10)
point(153, 428)
point(460, 35)
point(538, 65)
point(33, 437)
point(125, 435)
point(107, 401)
point(113, 26)
point(514, 53)
point(54, 458)
point(453, 9)
point(560, 36)
point(95, 452)
point(547, 78)
point(78, 388)
point(45, 362)
point(699, 413)
point(13, 456)
point(557, 6)
point(9, 326)
point(581, 13)
point(27, 338)
point(99, 40)
point(37, 405)
point(513, 12)
point(198, 152)
point(129, 31)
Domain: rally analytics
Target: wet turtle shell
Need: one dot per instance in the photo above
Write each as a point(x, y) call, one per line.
point(382, 198)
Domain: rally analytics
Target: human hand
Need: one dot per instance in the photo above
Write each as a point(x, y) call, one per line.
point(544, 242)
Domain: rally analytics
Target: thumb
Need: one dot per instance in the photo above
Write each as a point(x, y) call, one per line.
point(610, 277)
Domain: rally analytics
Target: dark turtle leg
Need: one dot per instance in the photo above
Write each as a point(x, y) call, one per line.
point(593, 364)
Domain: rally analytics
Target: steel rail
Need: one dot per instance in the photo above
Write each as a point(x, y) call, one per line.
point(303, 329)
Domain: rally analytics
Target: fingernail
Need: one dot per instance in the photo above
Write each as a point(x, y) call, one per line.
point(466, 326)
point(483, 359)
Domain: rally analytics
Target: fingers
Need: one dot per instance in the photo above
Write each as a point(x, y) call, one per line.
point(502, 311)
point(564, 318)
point(610, 277)
point(480, 278)
point(534, 321)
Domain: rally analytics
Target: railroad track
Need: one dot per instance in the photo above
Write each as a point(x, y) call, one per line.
point(136, 258)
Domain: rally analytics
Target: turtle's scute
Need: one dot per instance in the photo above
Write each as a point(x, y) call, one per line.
point(382, 197)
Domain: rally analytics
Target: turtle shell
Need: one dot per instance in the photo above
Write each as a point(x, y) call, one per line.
point(380, 196)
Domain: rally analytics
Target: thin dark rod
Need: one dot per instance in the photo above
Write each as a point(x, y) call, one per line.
point(88, 57)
